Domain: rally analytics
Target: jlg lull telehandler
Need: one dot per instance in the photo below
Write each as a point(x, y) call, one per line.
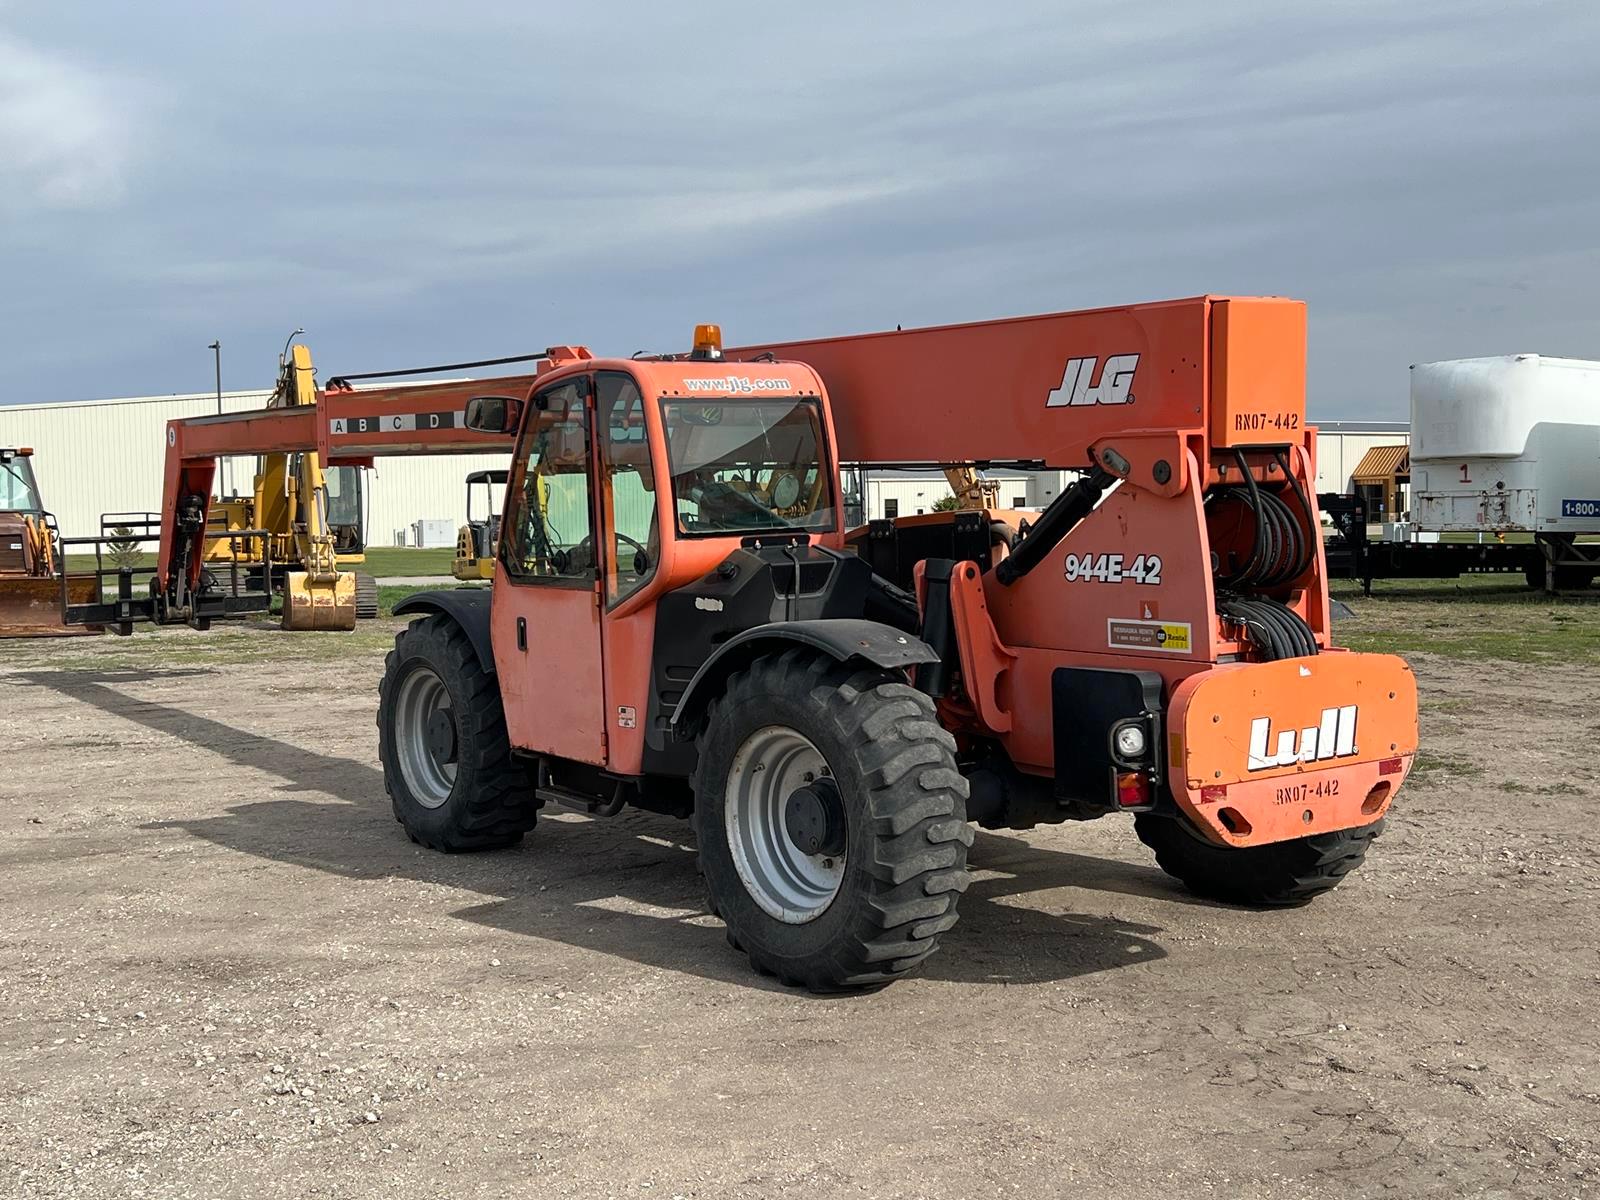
point(679, 620)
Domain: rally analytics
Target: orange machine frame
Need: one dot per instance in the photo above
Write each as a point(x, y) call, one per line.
point(1170, 398)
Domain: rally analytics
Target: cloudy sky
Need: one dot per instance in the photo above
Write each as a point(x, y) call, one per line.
point(426, 182)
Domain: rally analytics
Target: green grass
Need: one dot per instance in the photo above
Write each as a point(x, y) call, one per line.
point(1429, 764)
point(1543, 789)
point(381, 561)
point(1478, 617)
point(385, 561)
point(247, 640)
point(389, 596)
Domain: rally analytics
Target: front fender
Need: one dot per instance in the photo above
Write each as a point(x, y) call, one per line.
point(467, 607)
point(843, 639)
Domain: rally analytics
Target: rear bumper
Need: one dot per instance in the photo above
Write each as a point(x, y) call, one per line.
point(1266, 752)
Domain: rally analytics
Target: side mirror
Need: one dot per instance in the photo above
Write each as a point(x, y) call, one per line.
point(494, 414)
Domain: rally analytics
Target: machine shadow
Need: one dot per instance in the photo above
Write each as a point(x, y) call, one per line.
point(625, 887)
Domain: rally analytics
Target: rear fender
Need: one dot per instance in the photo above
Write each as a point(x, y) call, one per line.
point(1266, 752)
point(467, 607)
point(843, 639)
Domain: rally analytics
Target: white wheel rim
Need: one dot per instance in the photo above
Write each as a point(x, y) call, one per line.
point(789, 884)
point(422, 694)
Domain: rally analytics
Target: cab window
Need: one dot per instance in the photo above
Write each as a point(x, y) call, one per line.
point(547, 536)
point(630, 491)
point(742, 466)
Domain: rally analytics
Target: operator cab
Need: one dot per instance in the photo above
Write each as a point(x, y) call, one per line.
point(19, 491)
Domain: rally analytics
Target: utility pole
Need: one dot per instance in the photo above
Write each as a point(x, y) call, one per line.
point(216, 350)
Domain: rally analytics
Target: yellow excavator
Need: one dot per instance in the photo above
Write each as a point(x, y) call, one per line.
point(315, 518)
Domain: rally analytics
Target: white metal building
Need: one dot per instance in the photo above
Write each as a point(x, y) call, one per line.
point(907, 493)
point(1341, 445)
point(99, 456)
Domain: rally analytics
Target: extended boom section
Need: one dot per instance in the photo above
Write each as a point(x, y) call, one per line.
point(343, 426)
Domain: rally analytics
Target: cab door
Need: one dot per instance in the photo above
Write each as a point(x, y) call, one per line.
point(546, 610)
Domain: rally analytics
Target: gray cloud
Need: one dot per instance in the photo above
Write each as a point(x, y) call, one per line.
point(415, 181)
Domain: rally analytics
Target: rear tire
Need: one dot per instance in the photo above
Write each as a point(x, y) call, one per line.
point(447, 762)
point(868, 911)
point(1277, 875)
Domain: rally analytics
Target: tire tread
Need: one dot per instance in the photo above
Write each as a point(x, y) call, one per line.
point(1277, 875)
point(915, 809)
point(498, 810)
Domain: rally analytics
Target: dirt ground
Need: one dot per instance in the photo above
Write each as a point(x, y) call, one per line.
point(224, 971)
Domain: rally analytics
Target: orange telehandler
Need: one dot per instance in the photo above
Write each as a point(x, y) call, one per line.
point(679, 620)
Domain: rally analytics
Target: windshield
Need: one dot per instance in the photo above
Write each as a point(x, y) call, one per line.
point(18, 493)
point(741, 466)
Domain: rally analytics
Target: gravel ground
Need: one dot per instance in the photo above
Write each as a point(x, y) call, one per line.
point(226, 972)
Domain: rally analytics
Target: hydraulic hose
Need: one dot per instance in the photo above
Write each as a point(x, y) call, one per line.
point(1281, 549)
point(1059, 518)
point(1275, 629)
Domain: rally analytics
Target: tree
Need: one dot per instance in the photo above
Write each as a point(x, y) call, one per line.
point(124, 548)
point(946, 503)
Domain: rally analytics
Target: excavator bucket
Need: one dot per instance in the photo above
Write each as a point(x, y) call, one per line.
point(318, 604)
point(30, 605)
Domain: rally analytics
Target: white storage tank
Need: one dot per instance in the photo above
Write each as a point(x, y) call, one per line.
point(1510, 444)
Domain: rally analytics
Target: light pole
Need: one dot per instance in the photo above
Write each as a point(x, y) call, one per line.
point(216, 350)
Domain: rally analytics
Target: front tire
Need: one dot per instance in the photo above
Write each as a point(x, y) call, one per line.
point(447, 762)
point(1277, 875)
point(831, 821)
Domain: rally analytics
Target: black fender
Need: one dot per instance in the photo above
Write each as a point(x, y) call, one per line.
point(845, 639)
point(467, 607)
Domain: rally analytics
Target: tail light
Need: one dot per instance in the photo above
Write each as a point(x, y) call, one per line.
point(1133, 790)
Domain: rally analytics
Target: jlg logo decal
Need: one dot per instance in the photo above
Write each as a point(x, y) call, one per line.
point(1079, 384)
point(1335, 737)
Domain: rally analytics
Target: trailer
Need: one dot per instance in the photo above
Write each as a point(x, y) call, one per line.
point(1504, 472)
point(1352, 553)
point(1511, 445)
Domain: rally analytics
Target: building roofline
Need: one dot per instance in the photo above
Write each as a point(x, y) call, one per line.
point(257, 394)
point(1362, 426)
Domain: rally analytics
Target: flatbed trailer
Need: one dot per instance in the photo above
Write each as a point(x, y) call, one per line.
point(1353, 554)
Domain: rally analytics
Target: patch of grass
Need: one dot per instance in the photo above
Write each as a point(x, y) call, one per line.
point(1429, 764)
point(391, 595)
point(1561, 788)
point(381, 561)
point(153, 648)
point(1477, 617)
point(385, 561)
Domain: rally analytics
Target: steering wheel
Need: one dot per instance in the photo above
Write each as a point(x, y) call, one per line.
point(582, 555)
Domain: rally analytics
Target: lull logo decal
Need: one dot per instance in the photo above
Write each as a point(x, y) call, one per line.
point(1334, 737)
point(1080, 385)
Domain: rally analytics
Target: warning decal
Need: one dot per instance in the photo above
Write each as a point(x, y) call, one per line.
point(1166, 637)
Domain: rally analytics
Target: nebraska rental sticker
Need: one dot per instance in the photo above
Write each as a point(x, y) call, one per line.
point(1166, 637)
